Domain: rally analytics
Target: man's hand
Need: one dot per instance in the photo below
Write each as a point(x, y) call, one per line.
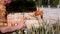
point(13, 28)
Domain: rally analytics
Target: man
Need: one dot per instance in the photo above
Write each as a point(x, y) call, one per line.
point(6, 28)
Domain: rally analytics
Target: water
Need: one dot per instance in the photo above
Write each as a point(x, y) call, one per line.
point(51, 13)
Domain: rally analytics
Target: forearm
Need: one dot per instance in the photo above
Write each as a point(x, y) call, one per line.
point(11, 28)
point(8, 29)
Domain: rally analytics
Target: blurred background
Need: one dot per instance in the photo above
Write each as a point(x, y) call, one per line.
point(51, 15)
